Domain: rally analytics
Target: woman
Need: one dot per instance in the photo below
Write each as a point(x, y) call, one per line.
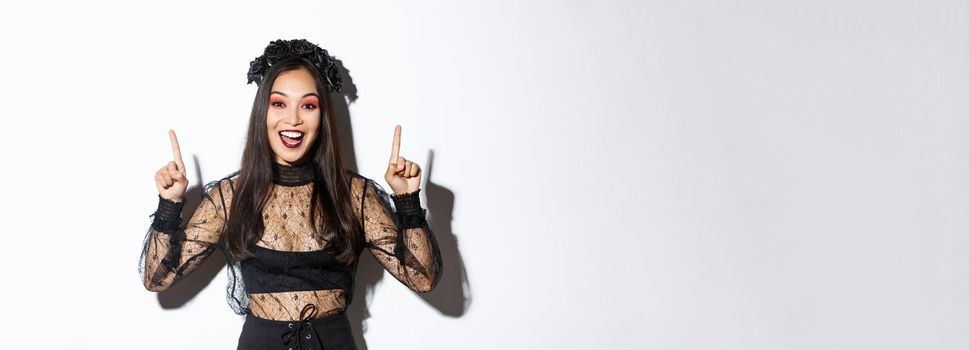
point(292, 221)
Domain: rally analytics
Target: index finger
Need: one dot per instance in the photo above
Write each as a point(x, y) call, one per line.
point(395, 150)
point(175, 150)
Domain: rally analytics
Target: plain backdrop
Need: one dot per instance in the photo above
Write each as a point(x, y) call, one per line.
point(600, 174)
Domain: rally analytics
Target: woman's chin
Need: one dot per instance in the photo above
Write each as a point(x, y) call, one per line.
point(289, 157)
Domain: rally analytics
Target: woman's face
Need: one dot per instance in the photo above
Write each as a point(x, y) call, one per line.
point(293, 116)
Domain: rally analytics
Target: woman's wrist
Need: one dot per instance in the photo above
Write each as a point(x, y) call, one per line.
point(168, 215)
point(408, 203)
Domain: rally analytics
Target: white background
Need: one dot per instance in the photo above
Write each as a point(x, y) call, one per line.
point(639, 174)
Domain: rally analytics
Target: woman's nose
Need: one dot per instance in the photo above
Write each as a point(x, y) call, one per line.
point(293, 117)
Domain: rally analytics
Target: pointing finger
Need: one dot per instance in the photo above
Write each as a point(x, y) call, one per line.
point(175, 150)
point(395, 149)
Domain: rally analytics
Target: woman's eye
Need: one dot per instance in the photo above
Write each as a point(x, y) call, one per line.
point(277, 104)
point(309, 106)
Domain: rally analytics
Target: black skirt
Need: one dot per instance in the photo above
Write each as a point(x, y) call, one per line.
point(331, 332)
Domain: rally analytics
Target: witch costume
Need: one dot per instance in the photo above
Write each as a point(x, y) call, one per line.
point(293, 291)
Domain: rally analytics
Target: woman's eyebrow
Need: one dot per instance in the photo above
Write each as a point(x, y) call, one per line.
point(307, 94)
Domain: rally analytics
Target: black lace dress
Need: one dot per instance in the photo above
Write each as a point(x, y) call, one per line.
point(293, 292)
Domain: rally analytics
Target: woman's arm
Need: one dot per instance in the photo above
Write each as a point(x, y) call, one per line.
point(170, 251)
point(401, 240)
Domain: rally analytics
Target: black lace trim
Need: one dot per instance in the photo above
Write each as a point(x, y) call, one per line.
point(293, 175)
point(408, 203)
point(409, 209)
point(168, 216)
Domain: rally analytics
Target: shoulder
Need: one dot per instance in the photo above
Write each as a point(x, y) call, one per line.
point(221, 188)
point(355, 176)
point(367, 192)
point(357, 181)
point(360, 183)
point(368, 195)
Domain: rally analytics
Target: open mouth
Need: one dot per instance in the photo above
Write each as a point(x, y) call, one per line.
point(291, 138)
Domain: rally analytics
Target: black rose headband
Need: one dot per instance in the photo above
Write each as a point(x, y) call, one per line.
point(280, 49)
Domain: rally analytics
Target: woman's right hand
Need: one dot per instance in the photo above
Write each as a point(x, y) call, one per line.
point(170, 179)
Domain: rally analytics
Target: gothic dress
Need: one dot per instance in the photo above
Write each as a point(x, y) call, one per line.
point(293, 292)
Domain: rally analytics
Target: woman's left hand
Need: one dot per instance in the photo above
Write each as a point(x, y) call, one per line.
point(404, 176)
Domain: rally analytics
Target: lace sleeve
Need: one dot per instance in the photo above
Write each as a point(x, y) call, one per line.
point(400, 239)
point(170, 251)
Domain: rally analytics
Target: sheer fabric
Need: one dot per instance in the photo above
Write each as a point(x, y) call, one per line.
point(398, 236)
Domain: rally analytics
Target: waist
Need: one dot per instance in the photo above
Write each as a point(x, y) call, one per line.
point(331, 318)
point(288, 305)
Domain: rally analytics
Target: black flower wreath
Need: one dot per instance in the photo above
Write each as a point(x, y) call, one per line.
point(280, 49)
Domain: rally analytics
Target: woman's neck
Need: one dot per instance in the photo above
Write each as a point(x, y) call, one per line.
point(294, 175)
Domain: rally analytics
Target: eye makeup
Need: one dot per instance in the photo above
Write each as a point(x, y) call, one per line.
point(311, 101)
point(274, 99)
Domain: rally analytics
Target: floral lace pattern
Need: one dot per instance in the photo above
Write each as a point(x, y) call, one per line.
point(400, 240)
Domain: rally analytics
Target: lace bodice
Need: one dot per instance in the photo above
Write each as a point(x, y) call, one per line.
point(292, 267)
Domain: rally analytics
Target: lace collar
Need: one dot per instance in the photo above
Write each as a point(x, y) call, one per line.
point(293, 175)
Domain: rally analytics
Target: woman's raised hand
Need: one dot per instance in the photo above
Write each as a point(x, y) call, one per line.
point(402, 175)
point(170, 179)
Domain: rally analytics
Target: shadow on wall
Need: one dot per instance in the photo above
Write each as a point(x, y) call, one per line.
point(451, 297)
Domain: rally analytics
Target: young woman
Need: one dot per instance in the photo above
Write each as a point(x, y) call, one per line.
point(292, 221)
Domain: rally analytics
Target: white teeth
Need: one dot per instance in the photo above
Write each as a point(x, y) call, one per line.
point(291, 134)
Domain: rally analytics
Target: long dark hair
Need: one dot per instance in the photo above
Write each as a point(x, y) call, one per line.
point(331, 188)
